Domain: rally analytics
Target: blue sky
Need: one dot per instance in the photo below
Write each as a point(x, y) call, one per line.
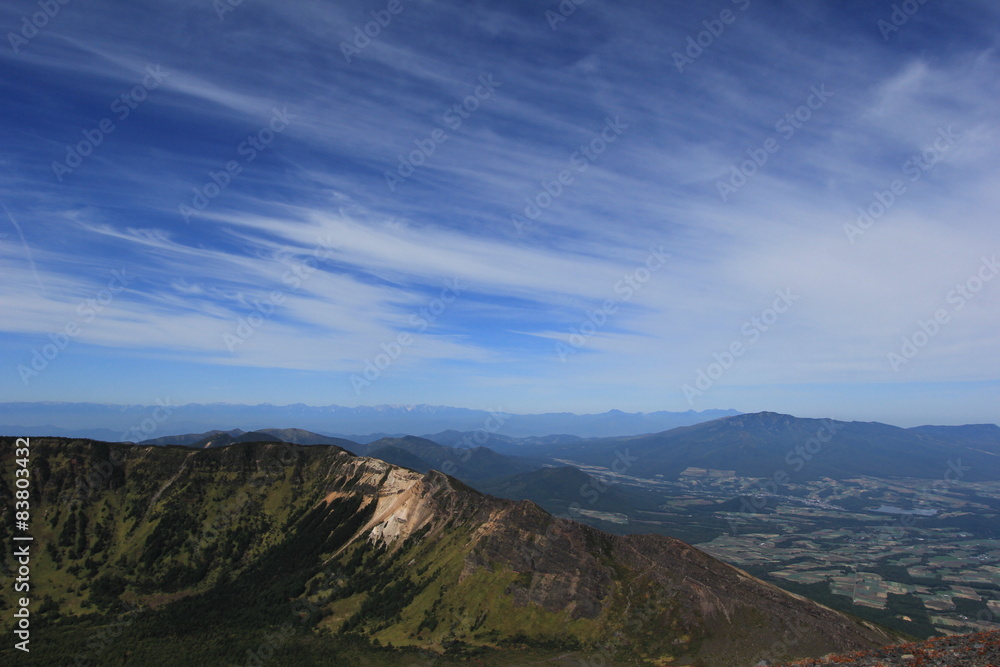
point(491, 207)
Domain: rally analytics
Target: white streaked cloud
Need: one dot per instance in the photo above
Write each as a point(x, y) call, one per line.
point(320, 186)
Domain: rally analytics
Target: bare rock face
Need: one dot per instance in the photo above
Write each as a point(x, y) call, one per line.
point(674, 597)
point(563, 574)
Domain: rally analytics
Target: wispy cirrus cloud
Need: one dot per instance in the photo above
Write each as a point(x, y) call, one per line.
point(386, 254)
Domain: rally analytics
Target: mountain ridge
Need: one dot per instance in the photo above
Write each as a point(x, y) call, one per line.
point(383, 553)
point(766, 444)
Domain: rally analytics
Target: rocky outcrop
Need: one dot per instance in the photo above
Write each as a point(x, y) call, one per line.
point(981, 649)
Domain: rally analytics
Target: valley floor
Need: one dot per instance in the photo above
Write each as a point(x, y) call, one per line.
point(920, 557)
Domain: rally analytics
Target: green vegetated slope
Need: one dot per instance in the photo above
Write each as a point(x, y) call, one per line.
point(560, 487)
point(310, 555)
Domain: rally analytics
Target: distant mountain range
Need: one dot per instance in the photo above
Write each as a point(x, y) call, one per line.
point(780, 449)
point(138, 422)
point(218, 438)
point(763, 445)
point(470, 464)
point(775, 446)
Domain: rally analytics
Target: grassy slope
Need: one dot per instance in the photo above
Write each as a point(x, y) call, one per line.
point(236, 551)
point(209, 544)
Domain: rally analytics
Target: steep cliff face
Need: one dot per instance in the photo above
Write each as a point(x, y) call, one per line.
point(236, 534)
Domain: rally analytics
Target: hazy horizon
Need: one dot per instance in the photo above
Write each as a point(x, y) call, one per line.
point(138, 411)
